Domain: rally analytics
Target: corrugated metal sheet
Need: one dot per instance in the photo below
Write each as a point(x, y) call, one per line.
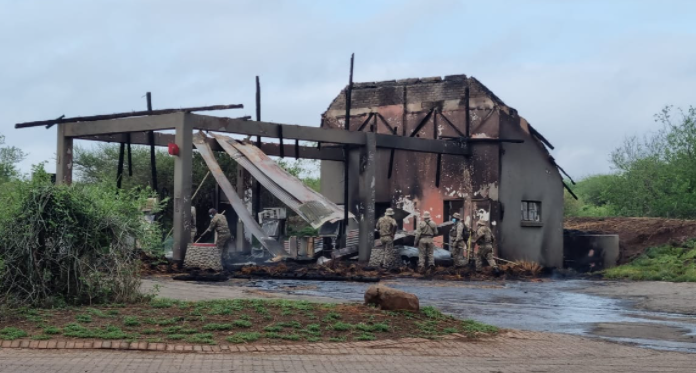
point(307, 203)
point(237, 204)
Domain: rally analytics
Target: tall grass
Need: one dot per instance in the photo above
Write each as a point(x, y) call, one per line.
point(664, 263)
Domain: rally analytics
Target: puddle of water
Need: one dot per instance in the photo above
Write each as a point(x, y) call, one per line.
point(546, 306)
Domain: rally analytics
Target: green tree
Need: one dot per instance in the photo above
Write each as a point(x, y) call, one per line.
point(10, 156)
point(304, 169)
point(99, 165)
point(656, 174)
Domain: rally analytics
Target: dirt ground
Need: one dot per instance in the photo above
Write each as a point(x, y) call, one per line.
point(633, 330)
point(655, 296)
point(637, 234)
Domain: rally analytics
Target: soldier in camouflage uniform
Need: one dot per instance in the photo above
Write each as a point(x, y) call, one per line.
point(424, 239)
point(218, 223)
point(386, 225)
point(458, 236)
point(485, 239)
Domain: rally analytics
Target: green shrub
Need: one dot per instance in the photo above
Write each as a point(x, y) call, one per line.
point(72, 244)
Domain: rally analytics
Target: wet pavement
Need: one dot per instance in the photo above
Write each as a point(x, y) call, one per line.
point(552, 306)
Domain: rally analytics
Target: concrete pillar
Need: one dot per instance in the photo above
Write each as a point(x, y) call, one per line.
point(182, 186)
point(64, 156)
point(367, 198)
point(244, 184)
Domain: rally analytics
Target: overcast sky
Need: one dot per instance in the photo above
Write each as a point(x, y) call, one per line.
point(584, 73)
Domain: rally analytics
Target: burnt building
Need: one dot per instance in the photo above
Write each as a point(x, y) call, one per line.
point(515, 187)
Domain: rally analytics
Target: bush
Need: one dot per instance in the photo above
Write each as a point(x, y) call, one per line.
point(71, 244)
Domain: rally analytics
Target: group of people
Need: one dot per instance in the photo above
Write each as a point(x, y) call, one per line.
point(386, 225)
point(427, 229)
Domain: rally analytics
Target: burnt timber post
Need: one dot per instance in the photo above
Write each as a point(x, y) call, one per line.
point(182, 186)
point(64, 157)
point(242, 245)
point(367, 199)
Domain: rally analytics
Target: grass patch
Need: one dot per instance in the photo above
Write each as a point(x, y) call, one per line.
point(664, 263)
point(366, 337)
point(201, 338)
point(12, 333)
point(376, 327)
point(162, 303)
point(84, 318)
point(341, 326)
point(233, 321)
point(106, 332)
point(242, 323)
point(179, 330)
point(287, 337)
point(427, 327)
point(290, 337)
point(473, 328)
point(52, 330)
point(214, 327)
point(433, 313)
point(131, 321)
point(244, 337)
point(273, 329)
point(331, 316)
point(290, 324)
point(41, 337)
point(98, 313)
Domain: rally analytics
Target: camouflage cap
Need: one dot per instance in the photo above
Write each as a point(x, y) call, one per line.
point(457, 216)
point(389, 212)
point(426, 215)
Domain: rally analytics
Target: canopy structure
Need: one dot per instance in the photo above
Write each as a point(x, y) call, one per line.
point(332, 144)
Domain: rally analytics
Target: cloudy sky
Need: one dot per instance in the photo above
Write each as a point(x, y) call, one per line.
point(585, 73)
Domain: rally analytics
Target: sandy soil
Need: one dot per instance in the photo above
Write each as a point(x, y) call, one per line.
point(643, 330)
point(650, 295)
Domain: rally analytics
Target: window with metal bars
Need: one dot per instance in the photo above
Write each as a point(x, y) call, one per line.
point(531, 213)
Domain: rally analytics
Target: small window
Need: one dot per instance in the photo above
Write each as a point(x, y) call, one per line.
point(531, 213)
